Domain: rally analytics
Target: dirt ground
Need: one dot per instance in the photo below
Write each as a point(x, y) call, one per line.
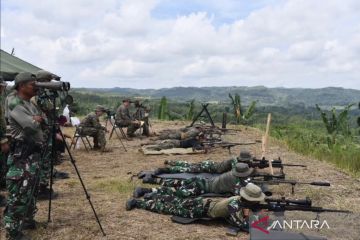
point(106, 177)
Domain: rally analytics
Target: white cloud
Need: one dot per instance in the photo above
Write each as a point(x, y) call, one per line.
point(120, 43)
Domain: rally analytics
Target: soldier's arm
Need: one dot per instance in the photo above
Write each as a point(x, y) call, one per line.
point(95, 122)
point(25, 120)
point(237, 216)
point(3, 138)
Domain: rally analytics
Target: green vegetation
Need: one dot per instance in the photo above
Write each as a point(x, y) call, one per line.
point(115, 185)
point(163, 113)
point(241, 117)
point(190, 114)
point(336, 124)
point(358, 120)
point(310, 139)
point(332, 135)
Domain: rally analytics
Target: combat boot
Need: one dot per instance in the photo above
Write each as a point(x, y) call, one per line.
point(44, 193)
point(131, 204)
point(139, 192)
point(150, 179)
point(60, 175)
point(161, 171)
point(29, 224)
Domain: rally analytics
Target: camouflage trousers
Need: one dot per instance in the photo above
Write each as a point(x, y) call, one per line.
point(97, 134)
point(206, 166)
point(165, 144)
point(22, 185)
point(182, 188)
point(45, 164)
point(179, 135)
point(131, 127)
point(170, 204)
point(170, 135)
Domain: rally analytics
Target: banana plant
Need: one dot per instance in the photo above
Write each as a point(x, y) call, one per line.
point(237, 109)
point(335, 124)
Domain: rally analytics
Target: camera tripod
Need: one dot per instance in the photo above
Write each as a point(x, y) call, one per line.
point(54, 130)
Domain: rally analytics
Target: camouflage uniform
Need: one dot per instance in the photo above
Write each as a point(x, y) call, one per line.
point(91, 126)
point(23, 162)
point(206, 166)
point(45, 106)
point(165, 144)
point(123, 119)
point(181, 134)
point(140, 114)
point(225, 183)
point(174, 143)
point(229, 208)
point(10, 96)
point(3, 140)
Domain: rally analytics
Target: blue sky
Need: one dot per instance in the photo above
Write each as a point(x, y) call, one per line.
point(166, 43)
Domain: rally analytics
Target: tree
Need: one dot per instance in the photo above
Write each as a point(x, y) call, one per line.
point(237, 108)
point(190, 114)
point(163, 109)
point(335, 124)
point(359, 117)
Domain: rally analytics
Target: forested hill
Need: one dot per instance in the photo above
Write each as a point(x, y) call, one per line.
point(330, 96)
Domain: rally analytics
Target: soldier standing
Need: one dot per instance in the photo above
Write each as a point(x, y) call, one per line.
point(91, 126)
point(27, 140)
point(3, 141)
point(124, 119)
point(45, 106)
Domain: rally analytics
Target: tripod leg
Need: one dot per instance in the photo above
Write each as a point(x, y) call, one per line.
point(82, 139)
point(209, 116)
point(112, 131)
point(197, 116)
point(88, 141)
point(77, 139)
point(82, 184)
point(117, 134)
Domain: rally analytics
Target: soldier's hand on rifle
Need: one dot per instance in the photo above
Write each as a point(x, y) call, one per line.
point(5, 148)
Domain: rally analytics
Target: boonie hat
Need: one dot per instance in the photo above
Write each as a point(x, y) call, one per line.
point(251, 192)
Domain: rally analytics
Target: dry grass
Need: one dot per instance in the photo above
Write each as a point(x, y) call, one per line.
point(106, 177)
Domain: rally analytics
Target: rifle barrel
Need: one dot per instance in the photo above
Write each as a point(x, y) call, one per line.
point(292, 182)
point(278, 207)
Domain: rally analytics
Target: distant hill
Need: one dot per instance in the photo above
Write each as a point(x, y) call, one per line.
point(330, 96)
